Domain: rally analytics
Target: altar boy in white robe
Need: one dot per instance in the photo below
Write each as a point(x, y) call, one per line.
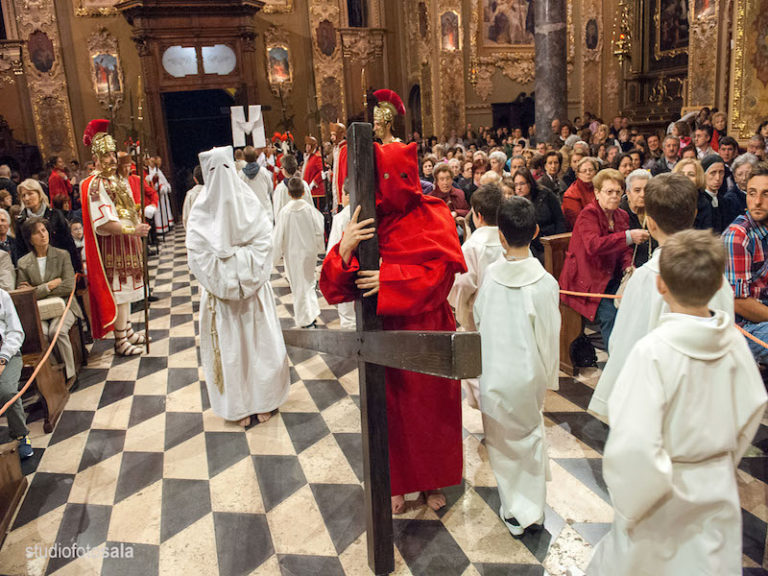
point(684, 410)
point(229, 247)
point(347, 317)
point(517, 313)
point(299, 237)
point(670, 206)
point(480, 250)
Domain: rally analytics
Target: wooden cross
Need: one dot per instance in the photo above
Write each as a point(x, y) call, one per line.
point(453, 355)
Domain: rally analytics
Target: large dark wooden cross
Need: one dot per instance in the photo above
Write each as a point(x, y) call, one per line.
point(448, 354)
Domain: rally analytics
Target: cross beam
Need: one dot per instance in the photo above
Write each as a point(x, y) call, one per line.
point(448, 354)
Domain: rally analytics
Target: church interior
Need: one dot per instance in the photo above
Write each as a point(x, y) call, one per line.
point(132, 471)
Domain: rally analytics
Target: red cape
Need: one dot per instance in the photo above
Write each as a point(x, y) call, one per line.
point(313, 172)
point(150, 194)
point(421, 255)
point(103, 306)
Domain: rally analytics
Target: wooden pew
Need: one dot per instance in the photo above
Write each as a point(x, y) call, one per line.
point(572, 323)
point(13, 484)
point(50, 381)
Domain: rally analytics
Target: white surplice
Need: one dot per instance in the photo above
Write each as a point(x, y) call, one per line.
point(261, 184)
point(298, 237)
point(189, 201)
point(164, 214)
point(518, 315)
point(480, 250)
point(229, 248)
point(684, 410)
point(347, 318)
point(281, 197)
point(640, 311)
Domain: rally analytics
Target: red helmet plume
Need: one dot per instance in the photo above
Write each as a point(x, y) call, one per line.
point(93, 128)
point(385, 95)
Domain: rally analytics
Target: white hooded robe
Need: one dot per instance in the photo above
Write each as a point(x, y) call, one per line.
point(518, 315)
point(683, 412)
point(230, 253)
point(347, 317)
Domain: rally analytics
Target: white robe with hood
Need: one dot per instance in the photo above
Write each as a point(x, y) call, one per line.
point(230, 253)
point(347, 317)
point(261, 184)
point(640, 311)
point(299, 236)
point(281, 197)
point(518, 315)
point(684, 410)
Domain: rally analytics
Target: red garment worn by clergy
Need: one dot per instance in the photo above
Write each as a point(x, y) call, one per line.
point(59, 185)
point(420, 255)
point(341, 171)
point(150, 194)
point(313, 175)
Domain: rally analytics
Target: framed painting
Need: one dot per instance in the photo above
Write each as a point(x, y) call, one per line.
point(278, 6)
point(107, 79)
point(279, 64)
point(671, 28)
point(704, 9)
point(95, 7)
point(506, 23)
point(450, 31)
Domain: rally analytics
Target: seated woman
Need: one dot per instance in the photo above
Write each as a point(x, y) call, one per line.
point(49, 271)
point(35, 203)
point(582, 192)
point(633, 203)
point(549, 217)
point(623, 164)
point(691, 169)
point(599, 253)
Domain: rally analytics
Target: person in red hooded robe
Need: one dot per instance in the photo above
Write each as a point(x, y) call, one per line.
point(313, 171)
point(420, 256)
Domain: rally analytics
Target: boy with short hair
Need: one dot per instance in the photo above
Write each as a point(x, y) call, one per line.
point(684, 410)
point(517, 312)
point(280, 197)
point(299, 236)
point(480, 250)
point(670, 206)
point(347, 318)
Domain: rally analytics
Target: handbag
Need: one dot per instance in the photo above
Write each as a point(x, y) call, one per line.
point(628, 272)
point(51, 307)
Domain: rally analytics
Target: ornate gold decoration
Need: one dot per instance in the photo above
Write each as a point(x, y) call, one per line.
point(452, 95)
point(95, 7)
point(278, 38)
point(329, 69)
point(11, 64)
point(748, 94)
point(103, 43)
point(622, 31)
point(515, 62)
point(591, 73)
point(363, 45)
point(702, 70)
point(658, 53)
point(278, 6)
point(666, 89)
point(46, 80)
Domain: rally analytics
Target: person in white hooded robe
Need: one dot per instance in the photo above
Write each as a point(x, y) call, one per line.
point(230, 253)
point(299, 236)
point(683, 412)
point(518, 315)
point(347, 316)
point(670, 206)
point(258, 179)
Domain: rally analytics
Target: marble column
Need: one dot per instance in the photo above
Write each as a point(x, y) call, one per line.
point(551, 37)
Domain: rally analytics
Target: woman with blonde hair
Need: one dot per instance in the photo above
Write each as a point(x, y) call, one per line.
point(691, 169)
point(35, 204)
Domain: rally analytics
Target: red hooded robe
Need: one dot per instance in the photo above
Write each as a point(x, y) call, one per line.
point(420, 255)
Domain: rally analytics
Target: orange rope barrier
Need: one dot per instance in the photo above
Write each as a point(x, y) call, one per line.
point(45, 356)
point(590, 295)
point(753, 338)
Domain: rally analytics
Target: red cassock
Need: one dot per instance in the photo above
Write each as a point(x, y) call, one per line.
point(103, 306)
point(420, 255)
point(313, 172)
point(59, 185)
point(341, 175)
point(150, 194)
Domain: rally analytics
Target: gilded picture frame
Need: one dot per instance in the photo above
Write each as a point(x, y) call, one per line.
point(671, 28)
point(278, 6)
point(106, 69)
point(95, 7)
point(450, 31)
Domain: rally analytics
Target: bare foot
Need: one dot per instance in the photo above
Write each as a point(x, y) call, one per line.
point(398, 504)
point(245, 422)
point(264, 417)
point(435, 499)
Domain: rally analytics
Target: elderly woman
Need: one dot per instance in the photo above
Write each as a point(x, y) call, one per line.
point(7, 242)
point(49, 271)
point(549, 216)
point(35, 204)
point(742, 168)
point(445, 190)
point(633, 203)
point(427, 166)
point(498, 160)
point(550, 179)
point(599, 252)
point(581, 192)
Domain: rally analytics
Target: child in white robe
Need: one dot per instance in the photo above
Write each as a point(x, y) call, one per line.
point(280, 197)
point(683, 412)
point(298, 236)
point(518, 315)
point(347, 318)
point(480, 250)
point(670, 206)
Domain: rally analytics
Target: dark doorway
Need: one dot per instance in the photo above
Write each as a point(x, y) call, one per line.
point(520, 113)
point(196, 120)
point(414, 107)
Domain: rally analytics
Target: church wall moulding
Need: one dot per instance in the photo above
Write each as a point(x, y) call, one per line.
point(749, 68)
point(450, 41)
point(46, 80)
point(325, 22)
point(11, 64)
point(279, 63)
point(277, 6)
point(591, 34)
point(95, 7)
point(702, 53)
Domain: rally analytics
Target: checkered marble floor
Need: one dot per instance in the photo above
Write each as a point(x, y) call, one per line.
point(139, 459)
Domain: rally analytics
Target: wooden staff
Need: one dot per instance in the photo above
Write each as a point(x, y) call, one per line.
point(140, 170)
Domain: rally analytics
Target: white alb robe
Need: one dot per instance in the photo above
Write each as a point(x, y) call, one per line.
point(684, 410)
point(640, 311)
point(347, 317)
point(189, 201)
point(164, 214)
point(480, 250)
point(517, 311)
point(298, 237)
point(281, 197)
point(261, 184)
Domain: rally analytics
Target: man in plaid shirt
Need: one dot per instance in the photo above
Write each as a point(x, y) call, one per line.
point(746, 268)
